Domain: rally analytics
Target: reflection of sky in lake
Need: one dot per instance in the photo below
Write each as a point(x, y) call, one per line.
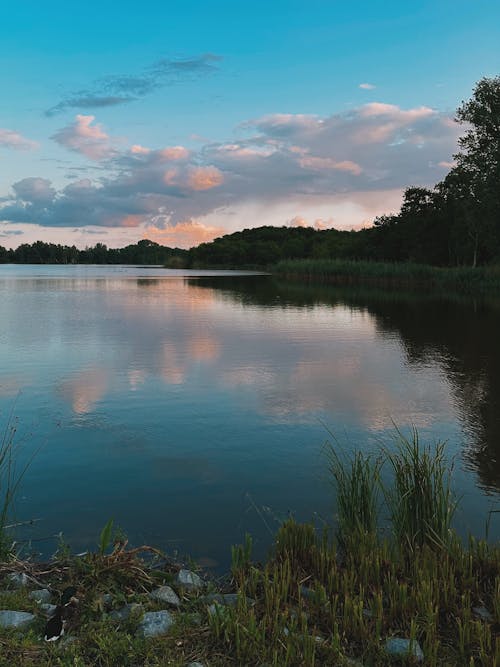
point(178, 409)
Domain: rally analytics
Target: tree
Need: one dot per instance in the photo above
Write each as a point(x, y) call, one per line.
point(477, 173)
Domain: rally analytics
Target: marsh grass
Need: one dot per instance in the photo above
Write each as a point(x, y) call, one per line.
point(10, 479)
point(357, 482)
point(323, 597)
point(408, 274)
point(420, 500)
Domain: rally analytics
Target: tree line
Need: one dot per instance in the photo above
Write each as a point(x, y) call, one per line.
point(455, 223)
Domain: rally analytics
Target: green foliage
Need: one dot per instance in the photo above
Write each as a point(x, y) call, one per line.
point(143, 252)
point(105, 537)
point(357, 481)
point(420, 501)
point(241, 555)
point(10, 479)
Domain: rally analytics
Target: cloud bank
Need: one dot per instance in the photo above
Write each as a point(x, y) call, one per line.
point(308, 160)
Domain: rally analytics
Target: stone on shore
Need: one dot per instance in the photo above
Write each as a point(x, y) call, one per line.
point(40, 595)
point(226, 599)
point(167, 595)
point(155, 623)
point(195, 664)
point(399, 648)
point(48, 609)
point(189, 580)
point(19, 620)
point(18, 579)
point(124, 613)
point(483, 614)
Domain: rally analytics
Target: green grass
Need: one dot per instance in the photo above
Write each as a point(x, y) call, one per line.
point(321, 598)
point(461, 279)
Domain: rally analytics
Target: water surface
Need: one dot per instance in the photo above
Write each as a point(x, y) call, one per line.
point(192, 406)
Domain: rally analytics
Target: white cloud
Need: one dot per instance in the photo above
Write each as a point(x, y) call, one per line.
point(280, 166)
point(14, 140)
point(367, 86)
point(86, 138)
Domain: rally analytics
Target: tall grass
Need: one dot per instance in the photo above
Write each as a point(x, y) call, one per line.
point(343, 271)
point(418, 497)
point(357, 483)
point(8, 482)
point(10, 479)
point(417, 581)
point(420, 500)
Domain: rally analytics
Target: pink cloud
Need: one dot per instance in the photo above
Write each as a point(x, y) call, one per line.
point(174, 153)
point(205, 178)
point(321, 163)
point(367, 86)
point(85, 138)
point(184, 234)
point(137, 149)
point(16, 141)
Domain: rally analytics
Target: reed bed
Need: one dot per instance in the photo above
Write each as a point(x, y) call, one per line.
point(328, 600)
point(461, 279)
point(389, 565)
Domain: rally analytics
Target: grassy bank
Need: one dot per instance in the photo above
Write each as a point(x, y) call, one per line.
point(463, 279)
point(323, 597)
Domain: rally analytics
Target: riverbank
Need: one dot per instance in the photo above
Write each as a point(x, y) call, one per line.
point(465, 280)
point(410, 592)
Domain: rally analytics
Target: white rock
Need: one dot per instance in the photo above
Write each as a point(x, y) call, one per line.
point(155, 623)
point(125, 612)
point(48, 609)
point(167, 595)
point(399, 647)
point(18, 579)
point(189, 580)
point(40, 595)
point(16, 619)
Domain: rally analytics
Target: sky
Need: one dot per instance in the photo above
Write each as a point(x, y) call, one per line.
point(183, 121)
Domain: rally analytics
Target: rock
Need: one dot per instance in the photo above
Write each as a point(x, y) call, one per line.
point(155, 623)
point(195, 664)
point(106, 600)
point(350, 662)
point(189, 580)
point(226, 599)
point(18, 579)
point(483, 614)
point(194, 619)
point(399, 647)
point(216, 609)
point(41, 595)
point(16, 619)
point(48, 609)
point(124, 613)
point(167, 595)
point(308, 593)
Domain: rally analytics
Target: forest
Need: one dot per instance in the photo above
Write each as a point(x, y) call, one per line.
point(455, 223)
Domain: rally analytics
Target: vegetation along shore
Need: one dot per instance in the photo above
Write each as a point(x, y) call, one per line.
point(389, 582)
point(446, 236)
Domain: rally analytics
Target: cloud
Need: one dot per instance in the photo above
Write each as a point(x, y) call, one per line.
point(14, 140)
point(183, 234)
point(113, 90)
point(85, 138)
point(205, 178)
point(280, 166)
point(367, 86)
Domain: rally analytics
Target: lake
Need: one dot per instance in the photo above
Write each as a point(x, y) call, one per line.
point(193, 407)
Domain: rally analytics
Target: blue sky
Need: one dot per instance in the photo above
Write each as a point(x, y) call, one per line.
point(183, 121)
